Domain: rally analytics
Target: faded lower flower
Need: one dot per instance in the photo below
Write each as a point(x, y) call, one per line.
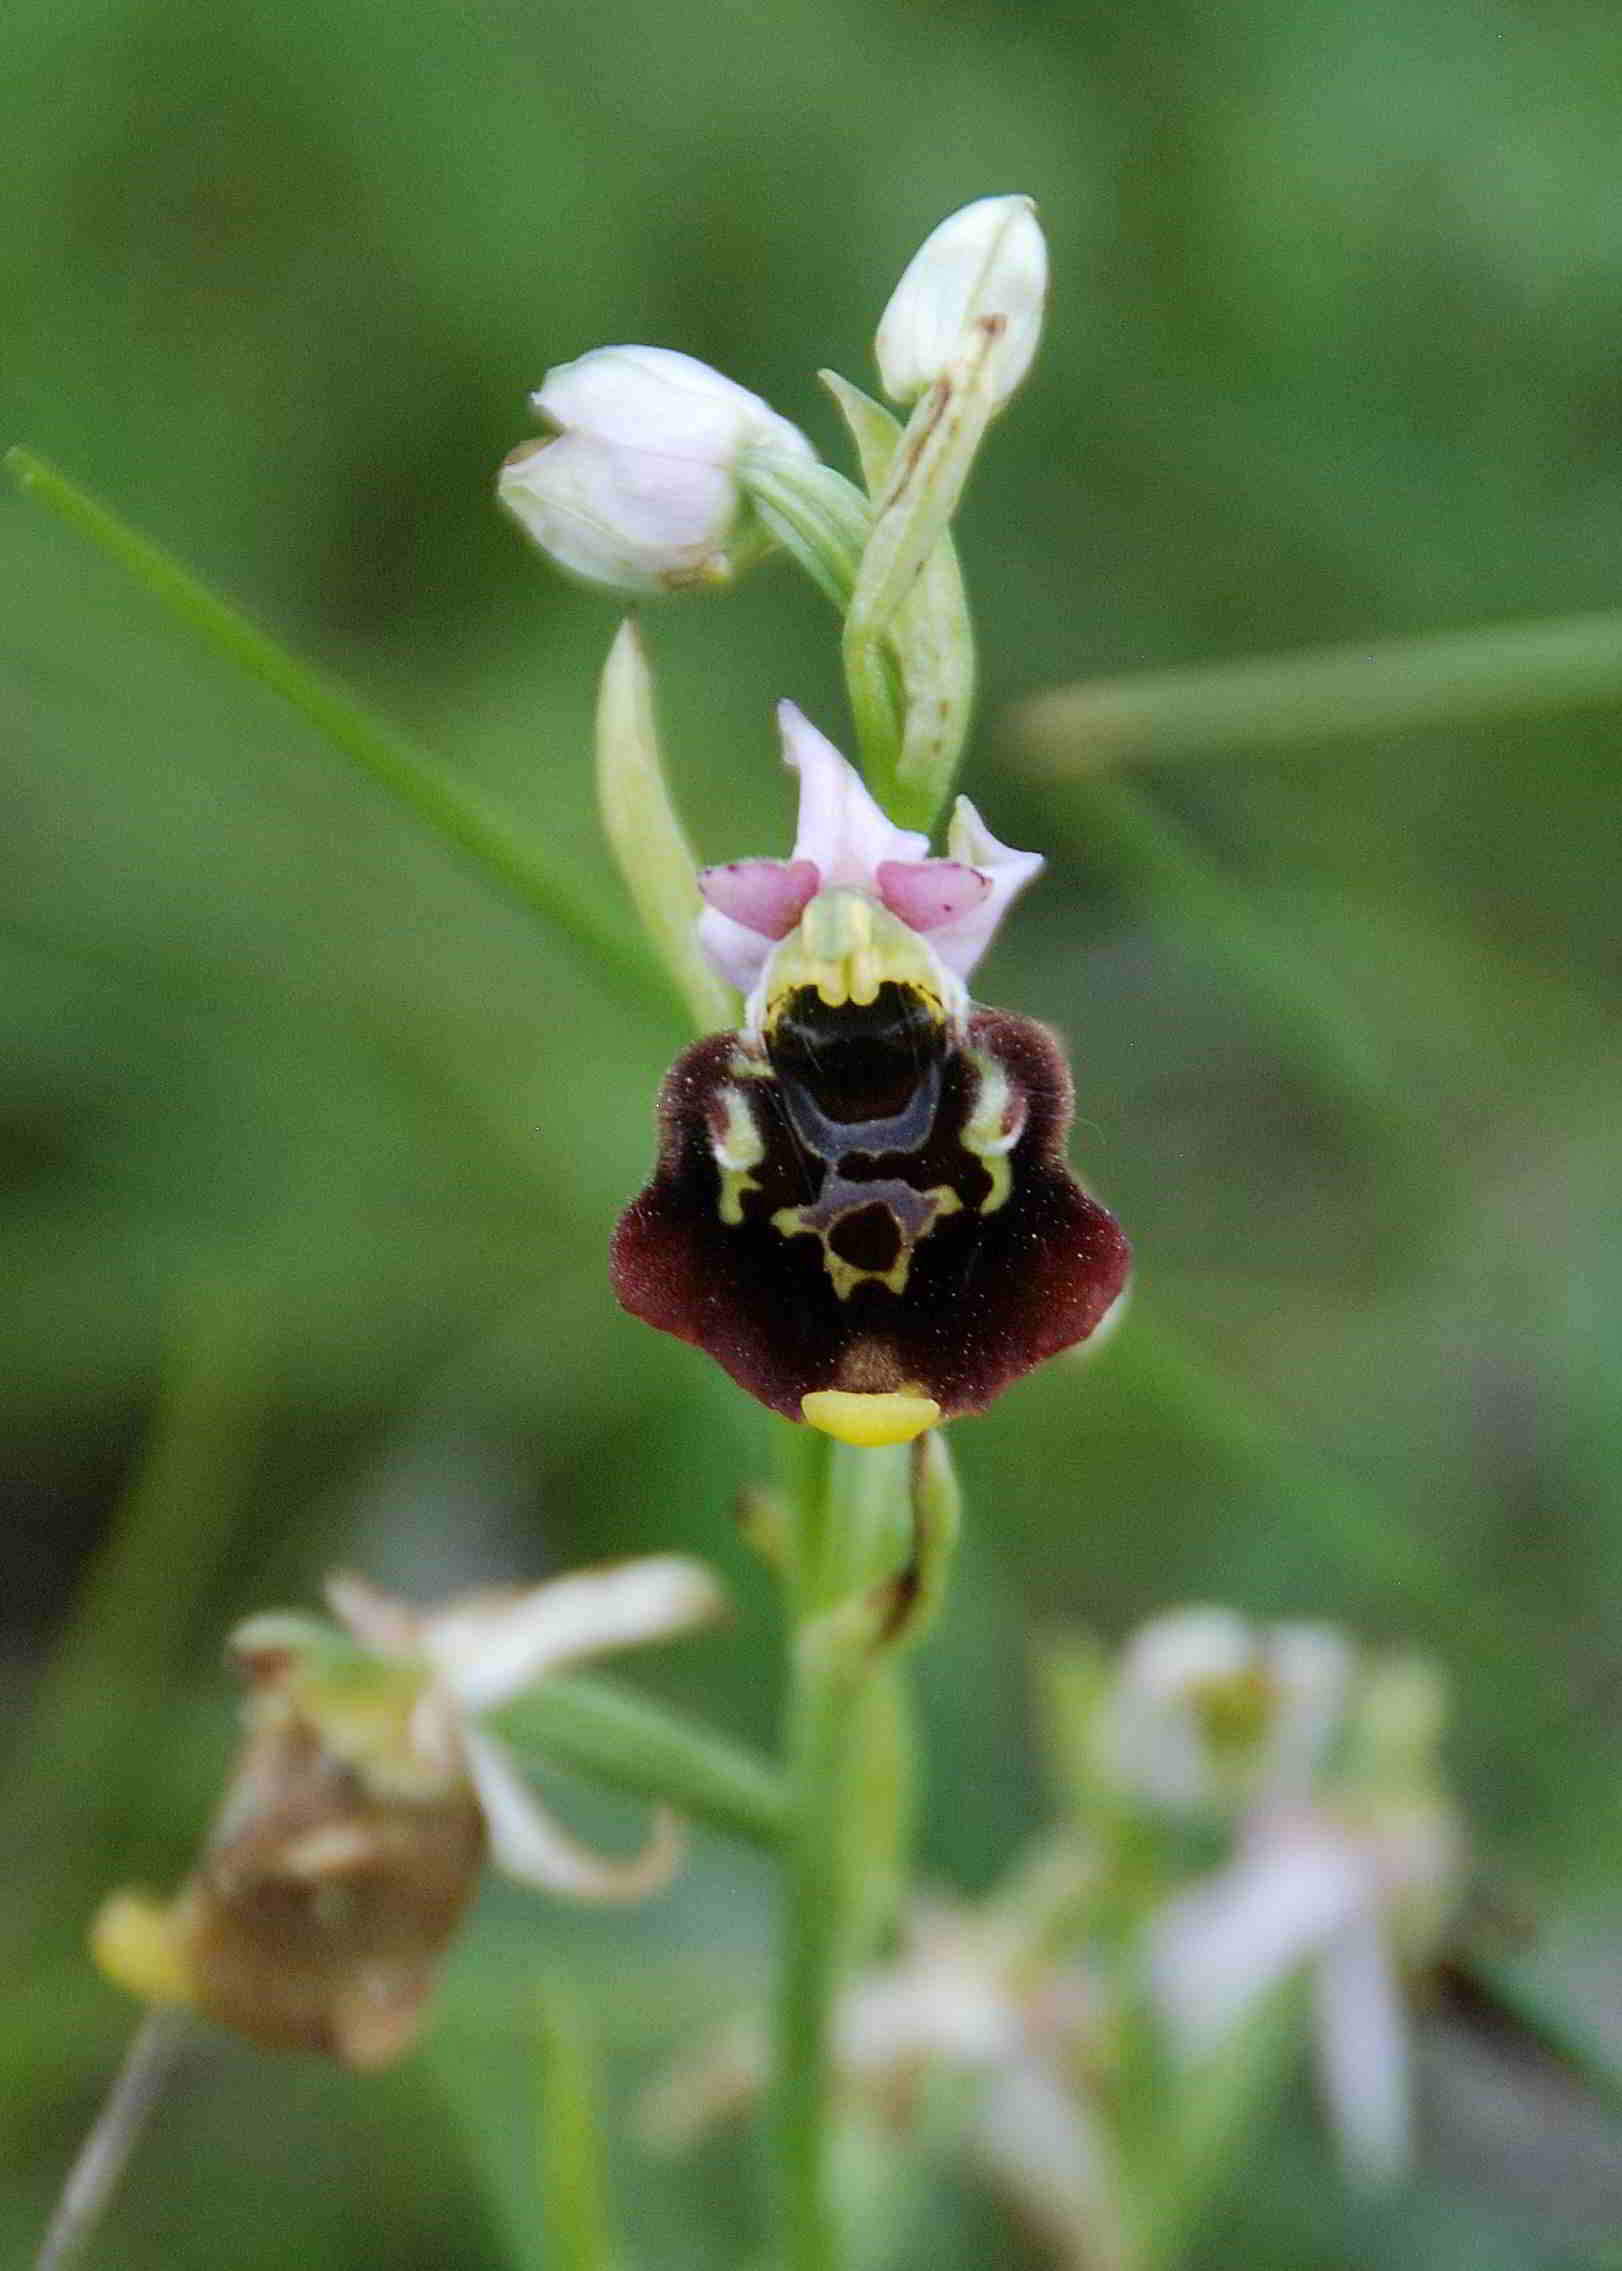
point(1345, 1858)
point(1207, 1712)
point(1340, 1898)
point(961, 2012)
point(365, 1798)
point(863, 1191)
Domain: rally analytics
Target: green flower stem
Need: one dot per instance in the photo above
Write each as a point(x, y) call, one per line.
point(912, 517)
point(826, 1684)
point(933, 634)
point(852, 1534)
point(1554, 2025)
point(428, 789)
point(818, 516)
point(579, 2225)
point(594, 1728)
point(1331, 696)
point(826, 523)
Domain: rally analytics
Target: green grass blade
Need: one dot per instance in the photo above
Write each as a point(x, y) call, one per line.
point(427, 788)
point(1330, 696)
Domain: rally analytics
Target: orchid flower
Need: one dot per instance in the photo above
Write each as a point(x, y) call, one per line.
point(366, 1795)
point(862, 1207)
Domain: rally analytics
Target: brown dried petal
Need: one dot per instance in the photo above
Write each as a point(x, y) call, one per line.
point(319, 1913)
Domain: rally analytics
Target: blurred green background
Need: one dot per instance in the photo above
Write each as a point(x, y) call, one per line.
point(299, 1117)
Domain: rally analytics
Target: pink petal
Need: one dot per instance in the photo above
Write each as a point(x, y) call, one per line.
point(924, 894)
point(840, 826)
point(768, 896)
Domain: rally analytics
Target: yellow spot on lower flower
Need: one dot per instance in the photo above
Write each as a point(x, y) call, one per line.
point(135, 1942)
point(870, 1420)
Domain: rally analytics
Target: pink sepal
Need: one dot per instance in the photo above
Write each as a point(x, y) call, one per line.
point(765, 896)
point(924, 894)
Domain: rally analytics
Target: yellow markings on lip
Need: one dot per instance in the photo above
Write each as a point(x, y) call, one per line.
point(795, 1222)
point(737, 1149)
point(993, 1128)
point(868, 1421)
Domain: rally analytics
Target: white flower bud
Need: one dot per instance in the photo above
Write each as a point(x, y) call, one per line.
point(985, 264)
point(639, 487)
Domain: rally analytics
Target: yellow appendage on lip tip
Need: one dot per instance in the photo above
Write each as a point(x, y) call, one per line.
point(135, 1944)
point(871, 1419)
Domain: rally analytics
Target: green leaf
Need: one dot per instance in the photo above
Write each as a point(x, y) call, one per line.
point(645, 835)
point(452, 810)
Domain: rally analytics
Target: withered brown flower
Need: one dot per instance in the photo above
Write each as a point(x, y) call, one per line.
point(365, 1797)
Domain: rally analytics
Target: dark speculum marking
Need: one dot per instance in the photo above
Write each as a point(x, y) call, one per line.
point(867, 1202)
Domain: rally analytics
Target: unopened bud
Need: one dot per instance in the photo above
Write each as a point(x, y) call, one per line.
point(982, 276)
point(639, 488)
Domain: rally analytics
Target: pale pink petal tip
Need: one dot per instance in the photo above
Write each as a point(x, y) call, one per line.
point(766, 896)
point(924, 894)
point(841, 829)
point(963, 938)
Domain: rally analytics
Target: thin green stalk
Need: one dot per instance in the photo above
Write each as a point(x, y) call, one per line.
point(1228, 1420)
point(452, 810)
point(1116, 825)
point(825, 1689)
point(1331, 696)
point(826, 523)
point(1557, 2031)
point(933, 635)
point(620, 1739)
point(102, 2159)
point(579, 2225)
point(818, 516)
point(847, 1544)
